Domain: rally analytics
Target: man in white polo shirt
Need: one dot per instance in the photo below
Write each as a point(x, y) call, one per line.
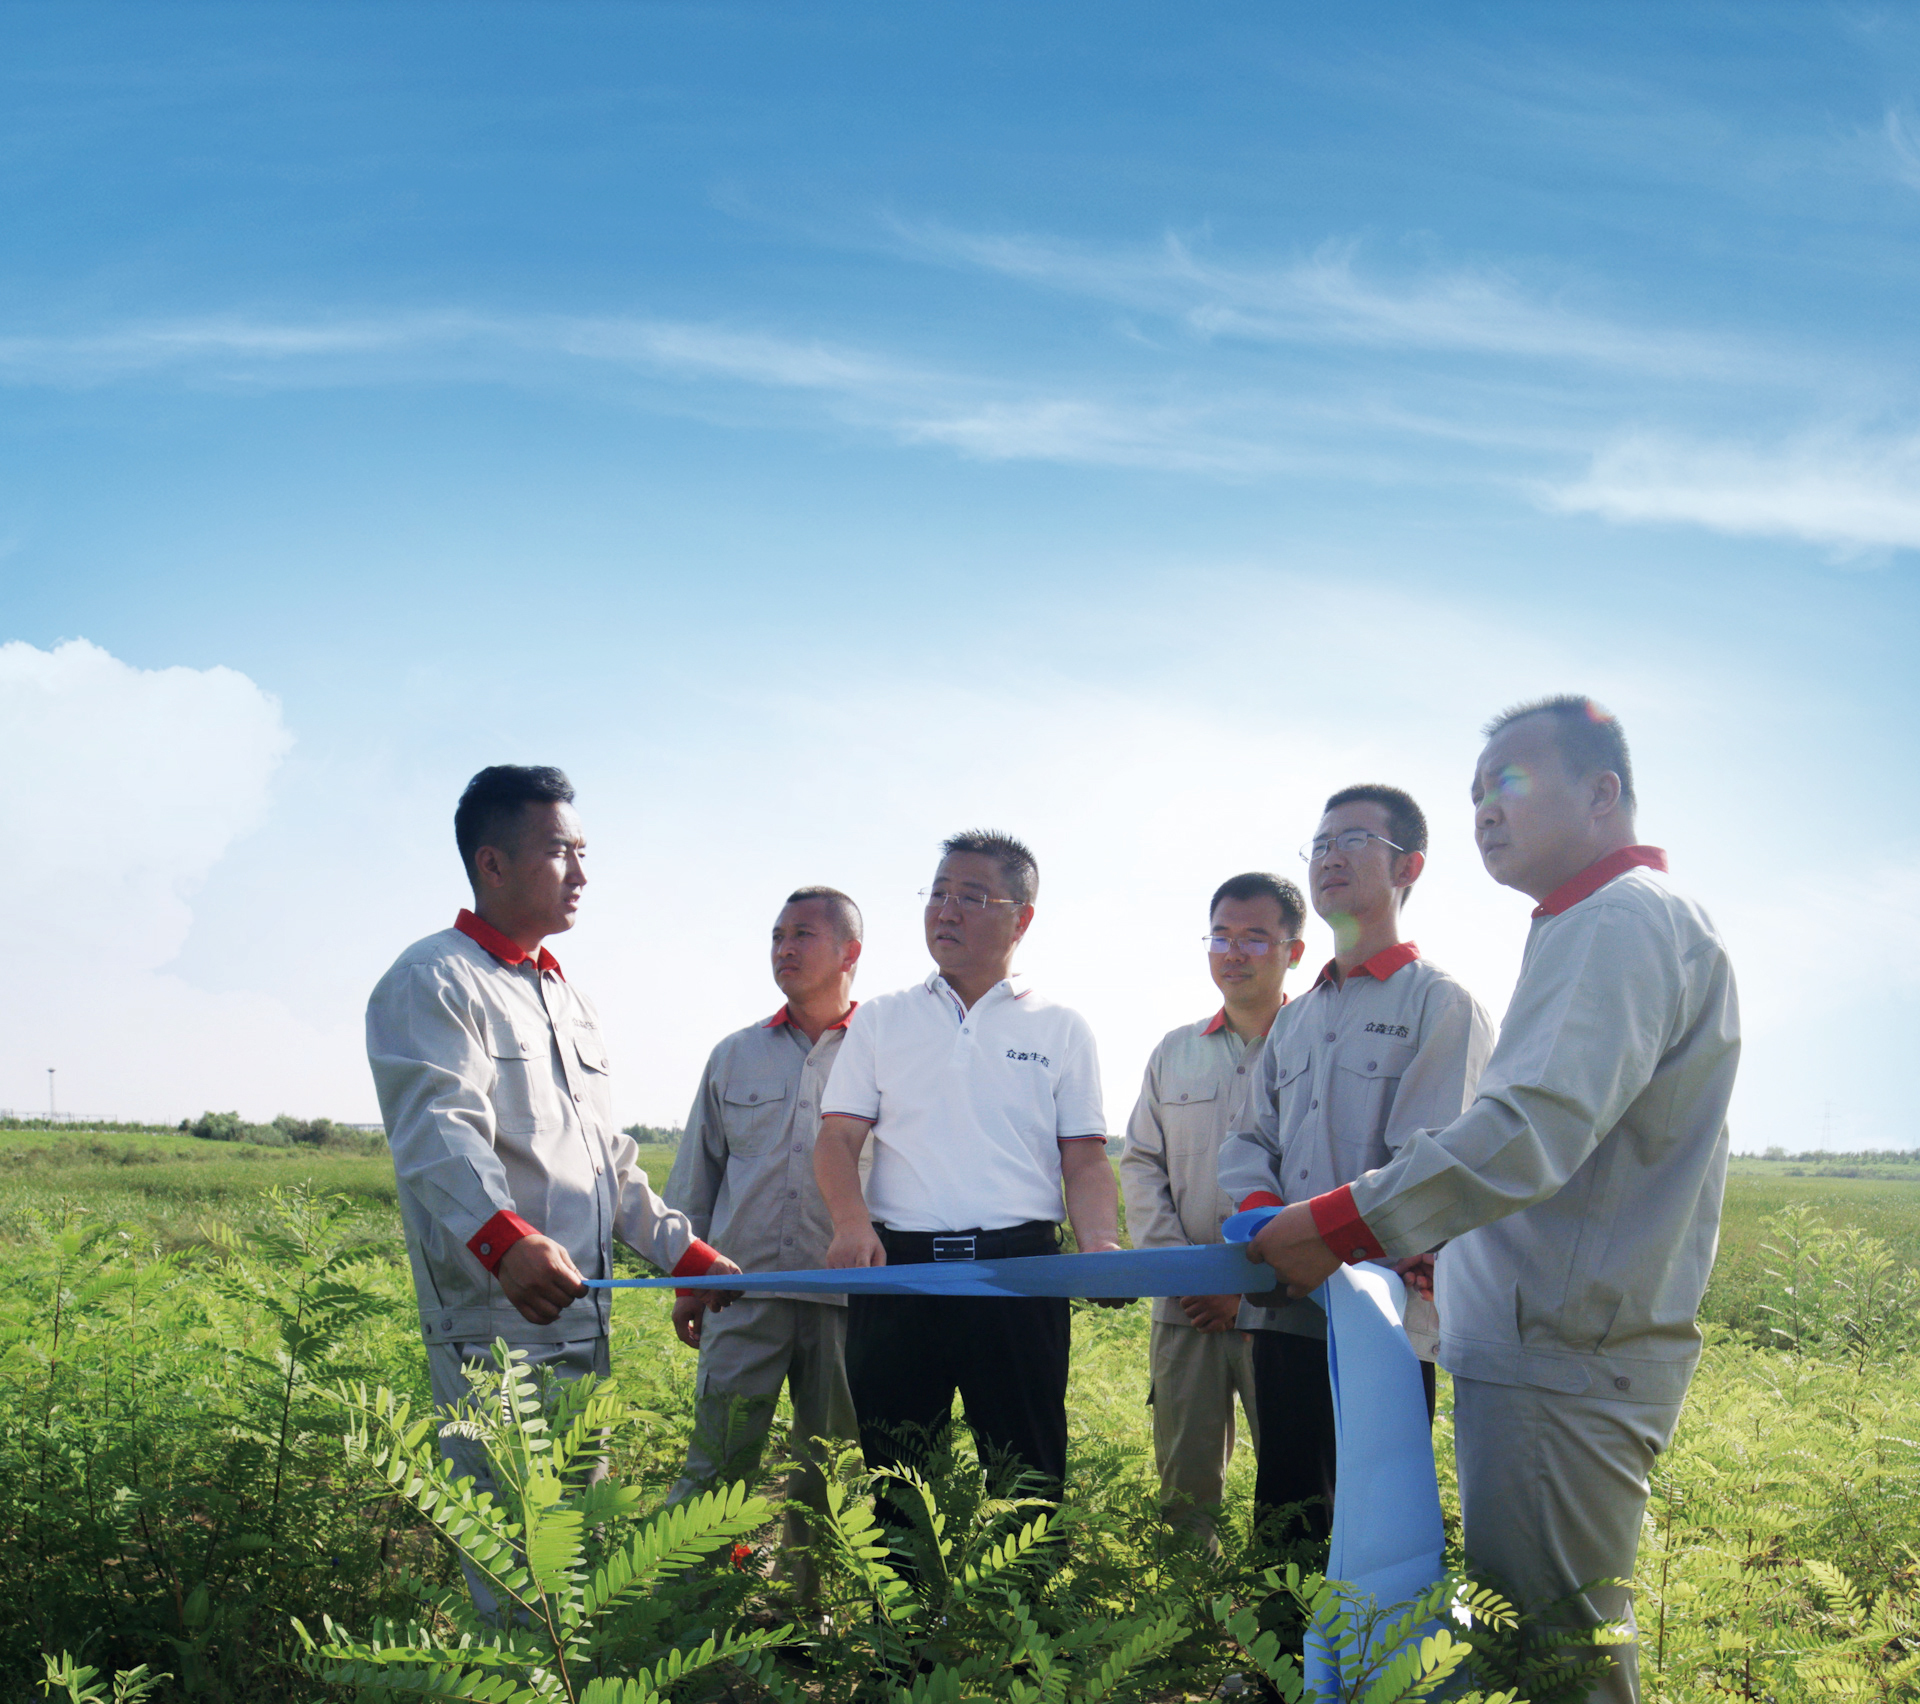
point(1196, 1083)
point(744, 1177)
point(982, 1101)
point(1579, 1195)
point(1384, 1044)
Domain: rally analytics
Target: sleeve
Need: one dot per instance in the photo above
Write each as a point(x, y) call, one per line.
point(1438, 1084)
point(1250, 1150)
point(694, 1183)
point(1587, 1028)
point(432, 1064)
point(1077, 1107)
point(853, 1086)
point(1153, 1217)
point(647, 1225)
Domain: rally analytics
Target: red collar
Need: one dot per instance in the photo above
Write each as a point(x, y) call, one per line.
point(780, 1017)
point(1380, 967)
point(1596, 876)
point(1220, 1020)
point(506, 951)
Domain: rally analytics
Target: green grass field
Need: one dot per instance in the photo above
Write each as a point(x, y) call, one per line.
point(180, 1491)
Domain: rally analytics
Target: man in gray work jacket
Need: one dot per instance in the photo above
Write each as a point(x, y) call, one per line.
point(1196, 1083)
point(1383, 1044)
point(744, 1177)
point(492, 1076)
point(1579, 1195)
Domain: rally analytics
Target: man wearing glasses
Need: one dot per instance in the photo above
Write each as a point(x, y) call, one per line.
point(1384, 1045)
point(1196, 1082)
point(1582, 1188)
point(982, 1101)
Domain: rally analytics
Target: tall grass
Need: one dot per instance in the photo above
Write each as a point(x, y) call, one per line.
point(171, 1336)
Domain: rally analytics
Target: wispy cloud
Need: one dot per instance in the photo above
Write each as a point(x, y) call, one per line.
point(1850, 492)
point(1328, 297)
point(1904, 146)
point(976, 414)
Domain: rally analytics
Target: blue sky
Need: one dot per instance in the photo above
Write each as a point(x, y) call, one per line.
point(821, 428)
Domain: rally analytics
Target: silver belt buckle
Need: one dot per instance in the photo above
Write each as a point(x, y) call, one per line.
point(954, 1248)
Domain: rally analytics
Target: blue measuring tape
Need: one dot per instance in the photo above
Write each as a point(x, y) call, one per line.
point(1388, 1538)
point(1216, 1269)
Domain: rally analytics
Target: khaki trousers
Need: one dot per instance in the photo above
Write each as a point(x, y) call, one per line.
point(1196, 1375)
point(1552, 1492)
point(446, 1364)
point(747, 1351)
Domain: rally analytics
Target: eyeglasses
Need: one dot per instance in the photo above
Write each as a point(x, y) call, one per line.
point(1218, 944)
point(1348, 840)
point(938, 898)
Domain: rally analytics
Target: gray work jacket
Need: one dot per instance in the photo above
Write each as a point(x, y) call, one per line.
point(492, 1079)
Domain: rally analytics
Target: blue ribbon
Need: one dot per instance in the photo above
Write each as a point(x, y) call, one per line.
point(1216, 1269)
point(1387, 1533)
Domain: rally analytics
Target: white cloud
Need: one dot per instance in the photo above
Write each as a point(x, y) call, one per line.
point(125, 788)
point(1325, 297)
point(1846, 491)
point(1904, 146)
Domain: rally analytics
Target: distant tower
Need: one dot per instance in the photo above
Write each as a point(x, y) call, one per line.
point(53, 1106)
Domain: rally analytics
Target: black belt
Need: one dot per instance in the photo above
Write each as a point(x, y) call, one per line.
point(920, 1248)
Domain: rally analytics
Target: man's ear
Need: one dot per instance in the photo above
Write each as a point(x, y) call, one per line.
point(849, 956)
point(489, 868)
point(1025, 919)
point(1606, 793)
point(1411, 864)
point(1297, 951)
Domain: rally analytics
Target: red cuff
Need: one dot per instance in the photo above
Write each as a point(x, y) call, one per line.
point(491, 1242)
point(697, 1262)
point(1342, 1229)
point(1261, 1198)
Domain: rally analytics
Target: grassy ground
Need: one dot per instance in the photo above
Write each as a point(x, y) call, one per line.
point(170, 1345)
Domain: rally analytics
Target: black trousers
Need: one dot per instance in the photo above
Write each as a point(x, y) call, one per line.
point(1293, 1394)
point(1006, 1357)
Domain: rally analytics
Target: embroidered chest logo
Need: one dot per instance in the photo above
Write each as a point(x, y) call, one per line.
point(1388, 1029)
point(1037, 1058)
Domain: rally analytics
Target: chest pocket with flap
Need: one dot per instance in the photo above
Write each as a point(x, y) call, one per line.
point(756, 1114)
point(587, 1043)
point(1190, 1113)
point(522, 1078)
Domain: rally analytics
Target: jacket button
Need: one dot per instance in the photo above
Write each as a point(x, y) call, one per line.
point(1373, 1064)
point(1315, 1107)
point(793, 1195)
point(446, 1325)
point(1183, 1097)
point(486, 1248)
point(1303, 1174)
point(1242, 1071)
point(1329, 1035)
point(751, 1099)
point(1623, 1384)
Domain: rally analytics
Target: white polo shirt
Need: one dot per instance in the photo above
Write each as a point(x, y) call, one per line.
point(967, 1107)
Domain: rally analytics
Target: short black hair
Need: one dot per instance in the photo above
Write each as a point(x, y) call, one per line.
point(495, 797)
point(1406, 822)
point(1590, 739)
point(1018, 865)
point(1259, 884)
point(846, 915)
